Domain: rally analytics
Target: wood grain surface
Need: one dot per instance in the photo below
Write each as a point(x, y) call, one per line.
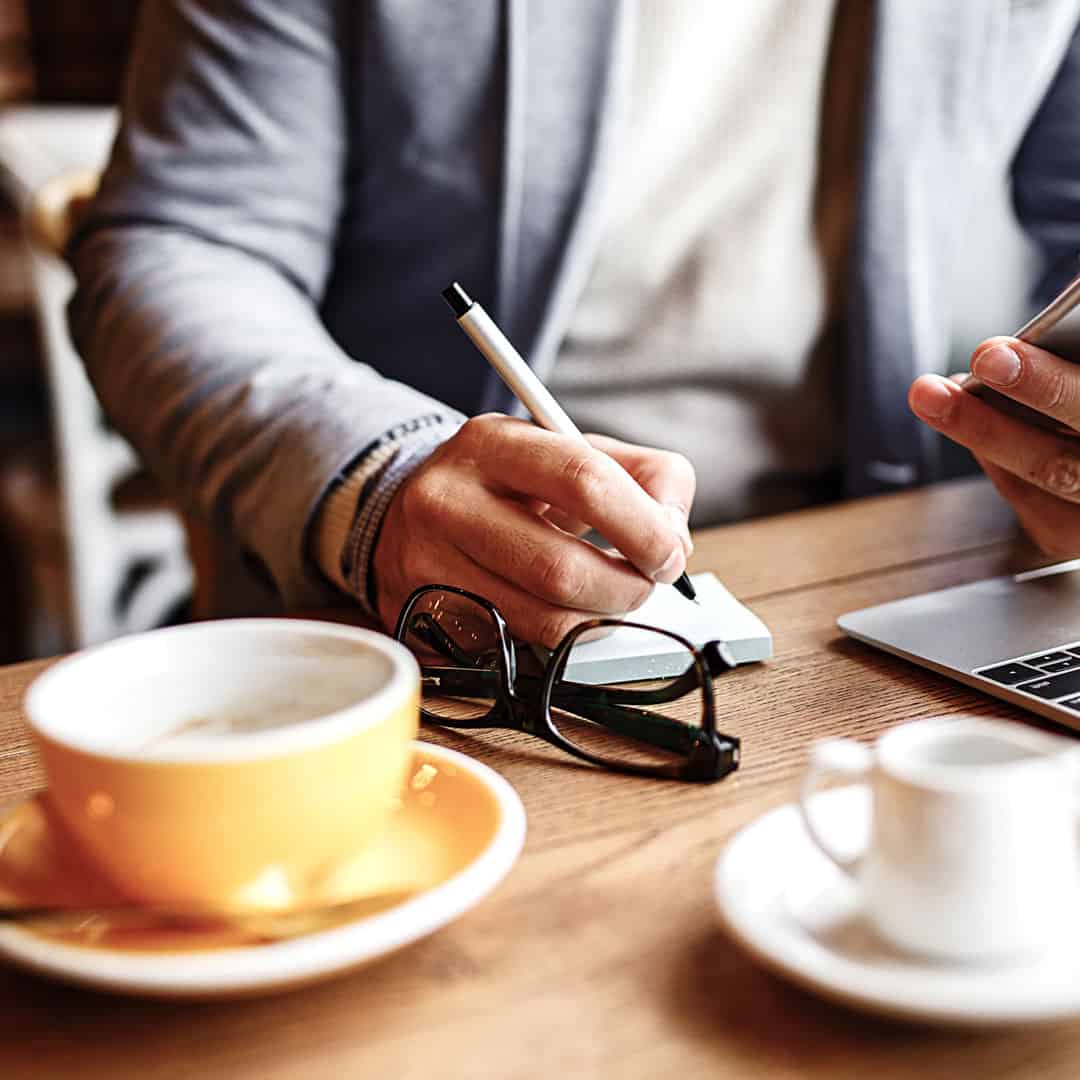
point(600, 955)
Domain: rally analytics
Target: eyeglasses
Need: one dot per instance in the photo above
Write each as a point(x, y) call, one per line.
point(662, 726)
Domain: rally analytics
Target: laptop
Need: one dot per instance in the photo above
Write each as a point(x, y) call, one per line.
point(1016, 637)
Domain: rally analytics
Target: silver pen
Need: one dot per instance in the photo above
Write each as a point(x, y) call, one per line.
point(520, 378)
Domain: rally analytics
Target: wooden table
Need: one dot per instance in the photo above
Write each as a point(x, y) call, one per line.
point(600, 954)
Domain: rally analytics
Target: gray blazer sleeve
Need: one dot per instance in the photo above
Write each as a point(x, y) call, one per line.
point(1046, 174)
point(202, 263)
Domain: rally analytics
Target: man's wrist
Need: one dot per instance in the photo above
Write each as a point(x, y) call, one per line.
point(348, 522)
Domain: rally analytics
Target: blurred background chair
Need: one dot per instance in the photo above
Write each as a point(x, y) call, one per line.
point(89, 547)
point(127, 561)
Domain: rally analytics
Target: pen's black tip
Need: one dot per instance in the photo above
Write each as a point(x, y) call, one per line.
point(686, 588)
point(458, 299)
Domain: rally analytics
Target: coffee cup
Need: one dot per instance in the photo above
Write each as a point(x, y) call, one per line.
point(230, 765)
point(972, 853)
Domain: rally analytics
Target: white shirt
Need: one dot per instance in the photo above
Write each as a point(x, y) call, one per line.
point(697, 329)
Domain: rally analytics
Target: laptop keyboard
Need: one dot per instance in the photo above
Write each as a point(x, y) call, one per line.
point(1052, 676)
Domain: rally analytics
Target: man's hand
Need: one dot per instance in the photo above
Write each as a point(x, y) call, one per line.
point(497, 509)
point(1037, 471)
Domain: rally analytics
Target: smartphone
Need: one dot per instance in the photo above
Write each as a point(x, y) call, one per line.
point(1057, 329)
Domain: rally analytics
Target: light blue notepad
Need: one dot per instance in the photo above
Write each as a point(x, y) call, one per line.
point(630, 654)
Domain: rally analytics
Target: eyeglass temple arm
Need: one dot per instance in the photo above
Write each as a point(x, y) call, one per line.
point(646, 727)
point(588, 702)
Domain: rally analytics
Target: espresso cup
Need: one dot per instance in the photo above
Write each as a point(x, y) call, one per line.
point(972, 854)
point(229, 765)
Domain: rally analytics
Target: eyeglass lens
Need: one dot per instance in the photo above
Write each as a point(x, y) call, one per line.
point(445, 629)
point(596, 706)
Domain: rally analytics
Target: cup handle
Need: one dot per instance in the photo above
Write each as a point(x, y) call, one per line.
point(838, 757)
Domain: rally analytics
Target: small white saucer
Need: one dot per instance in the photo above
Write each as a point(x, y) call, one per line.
point(458, 818)
point(781, 899)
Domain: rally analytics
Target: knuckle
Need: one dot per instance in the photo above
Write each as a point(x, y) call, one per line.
point(485, 438)
point(1055, 391)
point(486, 423)
point(1060, 475)
point(557, 576)
point(424, 497)
point(475, 431)
point(485, 427)
point(585, 473)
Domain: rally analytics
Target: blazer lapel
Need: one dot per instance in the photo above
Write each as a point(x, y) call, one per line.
point(927, 115)
point(567, 62)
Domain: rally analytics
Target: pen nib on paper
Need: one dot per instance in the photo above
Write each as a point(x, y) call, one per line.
point(686, 588)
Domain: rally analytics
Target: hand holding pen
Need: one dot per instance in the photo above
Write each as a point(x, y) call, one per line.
point(495, 510)
point(523, 382)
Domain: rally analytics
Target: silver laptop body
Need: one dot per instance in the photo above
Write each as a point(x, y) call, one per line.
point(1016, 637)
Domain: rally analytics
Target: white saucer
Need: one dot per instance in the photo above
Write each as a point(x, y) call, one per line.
point(795, 912)
point(462, 817)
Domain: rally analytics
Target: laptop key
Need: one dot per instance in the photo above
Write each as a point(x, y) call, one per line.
point(1009, 674)
point(1046, 659)
point(1070, 663)
point(1053, 686)
point(1071, 703)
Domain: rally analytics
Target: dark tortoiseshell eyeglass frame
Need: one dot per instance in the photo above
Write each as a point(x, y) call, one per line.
point(523, 702)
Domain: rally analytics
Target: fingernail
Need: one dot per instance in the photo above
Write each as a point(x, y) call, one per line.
point(670, 571)
point(677, 514)
point(932, 399)
point(998, 365)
